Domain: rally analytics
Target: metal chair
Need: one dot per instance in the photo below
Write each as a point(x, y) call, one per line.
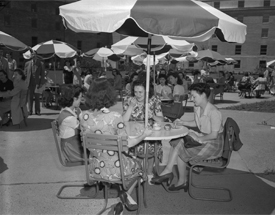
point(218, 163)
point(110, 143)
point(67, 163)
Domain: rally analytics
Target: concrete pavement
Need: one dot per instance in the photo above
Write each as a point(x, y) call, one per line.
point(34, 174)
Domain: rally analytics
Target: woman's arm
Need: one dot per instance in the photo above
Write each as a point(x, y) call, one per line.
point(134, 141)
point(212, 136)
point(185, 123)
point(126, 116)
point(16, 90)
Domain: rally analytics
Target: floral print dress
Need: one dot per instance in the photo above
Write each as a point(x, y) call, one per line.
point(105, 164)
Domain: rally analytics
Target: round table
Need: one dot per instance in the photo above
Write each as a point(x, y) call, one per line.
point(134, 129)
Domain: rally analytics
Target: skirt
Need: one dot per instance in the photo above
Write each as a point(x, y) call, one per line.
point(208, 150)
point(72, 149)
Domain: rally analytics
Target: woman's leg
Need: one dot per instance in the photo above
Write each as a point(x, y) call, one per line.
point(182, 172)
point(172, 158)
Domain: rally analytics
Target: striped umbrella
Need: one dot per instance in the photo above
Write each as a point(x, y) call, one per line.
point(11, 42)
point(184, 19)
point(270, 63)
point(51, 48)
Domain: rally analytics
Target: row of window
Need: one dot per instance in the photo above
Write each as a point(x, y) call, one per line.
point(241, 4)
point(238, 49)
point(265, 18)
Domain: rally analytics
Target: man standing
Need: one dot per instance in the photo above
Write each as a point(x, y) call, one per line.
point(4, 63)
point(34, 71)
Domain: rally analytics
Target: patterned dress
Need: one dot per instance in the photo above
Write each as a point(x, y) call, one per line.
point(105, 164)
point(138, 114)
point(210, 120)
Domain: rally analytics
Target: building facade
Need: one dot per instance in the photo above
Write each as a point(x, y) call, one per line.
point(259, 47)
point(33, 22)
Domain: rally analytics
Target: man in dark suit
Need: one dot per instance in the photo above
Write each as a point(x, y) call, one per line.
point(35, 72)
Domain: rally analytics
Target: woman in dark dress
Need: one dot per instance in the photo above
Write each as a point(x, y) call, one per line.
point(68, 74)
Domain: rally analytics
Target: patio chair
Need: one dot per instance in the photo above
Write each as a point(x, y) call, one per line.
point(218, 163)
point(110, 143)
point(67, 163)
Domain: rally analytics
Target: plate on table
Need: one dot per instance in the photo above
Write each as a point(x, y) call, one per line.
point(156, 128)
point(177, 127)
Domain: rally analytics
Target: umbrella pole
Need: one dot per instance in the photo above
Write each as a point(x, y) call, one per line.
point(147, 79)
point(154, 73)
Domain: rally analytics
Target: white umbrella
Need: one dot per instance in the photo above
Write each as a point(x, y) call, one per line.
point(190, 20)
point(270, 63)
point(11, 42)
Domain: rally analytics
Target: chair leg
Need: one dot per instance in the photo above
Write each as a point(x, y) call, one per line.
point(192, 185)
point(139, 197)
point(144, 194)
point(58, 195)
point(106, 190)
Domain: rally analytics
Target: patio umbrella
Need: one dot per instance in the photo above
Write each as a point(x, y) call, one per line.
point(270, 63)
point(190, 20)
point(102, 54)
point(51, 48)
point(11, 42)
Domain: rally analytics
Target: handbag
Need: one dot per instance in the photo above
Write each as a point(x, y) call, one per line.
point(189, 142)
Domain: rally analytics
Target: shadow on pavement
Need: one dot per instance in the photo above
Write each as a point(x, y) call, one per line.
point(218, 101)
point(3, 165)
point(33, 124)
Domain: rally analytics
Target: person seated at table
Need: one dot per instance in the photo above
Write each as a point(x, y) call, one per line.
point(208, 119)
point(259, 85)
point(178, 90)
point(206, 78)
point(245, 83)
point(129, 86)
point(5, 85)
point(230, 81)
point(182, 77)
point(99, 119)
point(134, 110)
point(13, 104)
point(68, 122)
point(162, 90)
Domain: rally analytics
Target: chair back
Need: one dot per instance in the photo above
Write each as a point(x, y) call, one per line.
point(105, 142)
point(61, 157)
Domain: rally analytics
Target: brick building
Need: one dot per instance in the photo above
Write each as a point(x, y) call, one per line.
point(259, 16)
point(33, 22)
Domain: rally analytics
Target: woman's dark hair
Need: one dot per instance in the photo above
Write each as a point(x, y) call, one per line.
point(20, 72)
point(68, 93)
point(163, 76)
point(175, 75)
point(196, 72)
point(132, 76)
point(3, 71)
point(142, 84)
point(160, 72)
point(101, 94)
point(183, 75)
point(261, 74)
point(231, 73)
point(201, 88)
point(222, 72)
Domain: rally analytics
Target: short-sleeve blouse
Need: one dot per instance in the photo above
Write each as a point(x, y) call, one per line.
point(211, 119)
point(138, 113)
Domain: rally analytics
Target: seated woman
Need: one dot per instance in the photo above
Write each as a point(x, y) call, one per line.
point(259, 85)
point(69, 130)
point(13, 104)
point(162, 90)
point(134, 110)
point(5, 85)
point(208, 119)
point(129, 86)
point(99, 119)
point(182, 77)
point(244, 84)
point(178, 89)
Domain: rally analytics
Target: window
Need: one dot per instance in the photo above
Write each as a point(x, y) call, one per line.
point(262, 64)
point(265, 32)
point(240, 18)
point(265, 18)
point(191, 64)
point(34, 41)
point(266, 3)
point(238, 64)
point(240, 4)
point(57, 26)
point(238, 49)
point(98, 44)
point(214, 48)
point(79, 44)
point(33, 8)
point(263, 50)
point(7, 20)
point(217, 5)
point(34, 23)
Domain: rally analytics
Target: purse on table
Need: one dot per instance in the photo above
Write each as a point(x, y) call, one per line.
point(189, 142)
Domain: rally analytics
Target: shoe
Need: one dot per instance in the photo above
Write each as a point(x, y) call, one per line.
point(7, 123)
point(30, 113)
point(118, 210)
point(149, 179)
point(160, 179)
point(183, 186)
point(38, 113)
point(124, 199)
